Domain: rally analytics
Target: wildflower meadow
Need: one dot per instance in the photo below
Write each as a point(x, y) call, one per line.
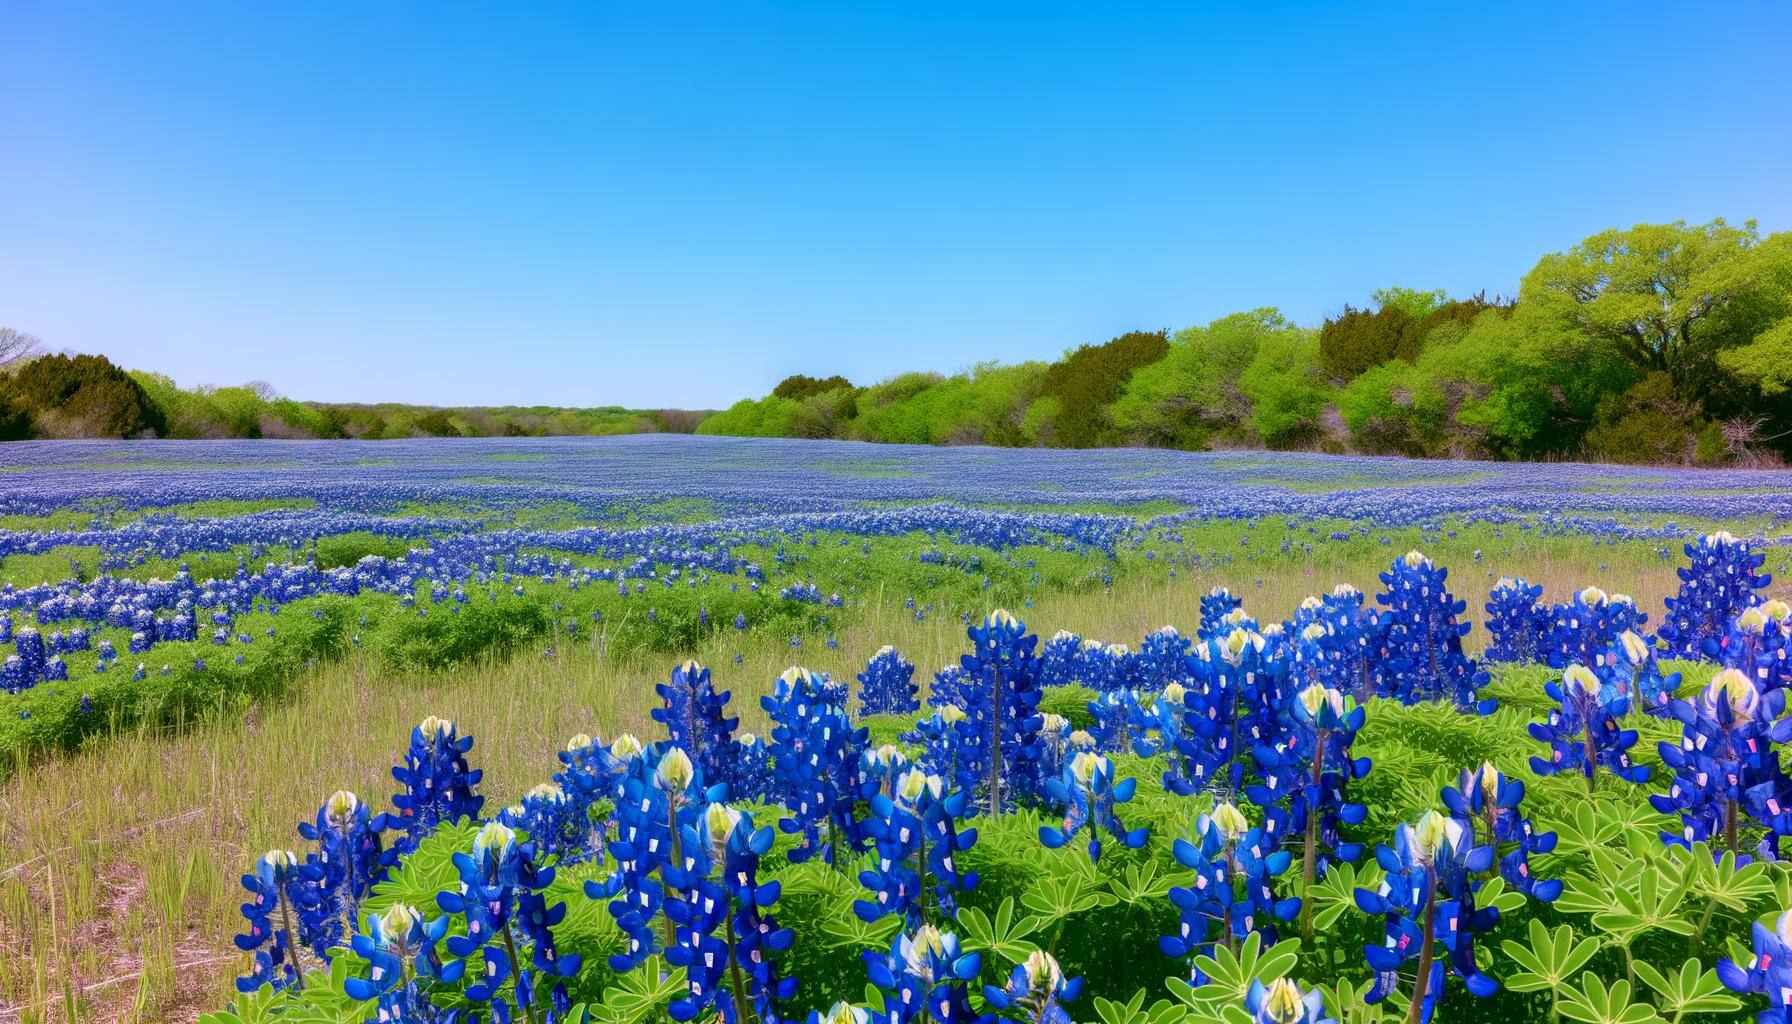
point(657, 728)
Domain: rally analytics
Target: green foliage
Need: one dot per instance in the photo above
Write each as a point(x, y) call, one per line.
point(1090, 377)
point(78, 397)
point(797, 387)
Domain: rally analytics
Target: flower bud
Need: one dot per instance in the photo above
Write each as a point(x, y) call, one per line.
point(675, 771)
point(1231, 822)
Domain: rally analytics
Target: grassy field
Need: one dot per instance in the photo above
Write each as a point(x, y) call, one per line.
point(119, 862)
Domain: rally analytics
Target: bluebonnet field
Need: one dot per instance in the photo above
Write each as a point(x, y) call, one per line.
point(1360, 740)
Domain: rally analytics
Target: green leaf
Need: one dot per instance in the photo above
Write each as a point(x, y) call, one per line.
point(1335, 895)
point(1594, 1003)
point(641, 995)
point(1230, 973)
point(1691, 989)
point(1002, 935)
point(1549, 960)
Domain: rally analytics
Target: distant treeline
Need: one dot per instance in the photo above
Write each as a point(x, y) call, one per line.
point(1663, 343)
point(1659, 344)
point(88, 396)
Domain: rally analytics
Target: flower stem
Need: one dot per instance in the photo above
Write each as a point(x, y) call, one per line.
point(292, 939)
point(516, 968)
point(1422, 984)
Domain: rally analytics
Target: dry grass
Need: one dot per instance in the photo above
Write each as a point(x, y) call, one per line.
point(119, 865)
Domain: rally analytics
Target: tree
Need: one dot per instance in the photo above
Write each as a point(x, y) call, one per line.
point(1204, 389)
point(1091, 376)
point(81, 396)
point(797, 387)
point(1359, 340)
point(16, 346)
point(1669, 297)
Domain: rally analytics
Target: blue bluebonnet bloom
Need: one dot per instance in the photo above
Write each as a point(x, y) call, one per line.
point(1163, 657)
point(695, 717)
point(1517, 624)
point(547, 814)
point(1310, 774)
point(914, 830)
point(1583, 733)
point(509, 927)
point(1726, 764)
point(1234, 864)
point(1424, 637)
point(1036, 990)
point(1768, 972)
point(753, 779)
point(400, 951)
point(589, 779)
point(1216, 608)
point(1629, 667)
point(1756, 644)
point(1428, 901)
point(273, 933)
point(1060, 659)
point(1204, 748)
point(1714, 589)
point(815, 759)
point(725, 936)
point(1584, 627)
point(1089, 795)
point(1487, 804)
point(1001, 719)
point(439, 785)
point(656, 798)
point(1282, 1002)
point(341, 872)
point(925, 976)
point(887, 685)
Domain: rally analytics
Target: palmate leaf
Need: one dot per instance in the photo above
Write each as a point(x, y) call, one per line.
point(1594, 1003)
point(1335, 894)
point(641, 995)
point(1606, 825)
point(1691, 989)
point(1548, 961)
point(1230, 973)
point(1001, 935)
point(1719, 879)
point(1134, 1011)
point(1346, 1002)
point(1055, 897)
point(1141, 883)
point(1651, 905)
point(1494, 894)
point(324, 1001)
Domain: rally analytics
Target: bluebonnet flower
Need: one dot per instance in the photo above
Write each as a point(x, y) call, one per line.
point(1088, 793)
point(1163, 657)
point(815, 760)
point(1060, 659)
point(1582, 629)
point(1037, 990)
point(1714, 589)
point(656, 798)
point(274, 942)
point(1282, 1002)
point(1629, 667)
point(1583, 733)
point(914, 830)
point(1768, 972)
point(694, 715)
point(925, 977)
point(1428, 901)
point(547, 814)
point(1001, 720)
point(341, 872)
point(1726, 764)
point(726, 939)
point(1234, 864)
point(1487, 804)
point(753, 779)
point(1424, 637)
point(886, 686)
point(589, 778)
point(1517, 624)
point(509, 926)
point(439, 785)
point(1756, 644)
point(1216, 609)
point(1311, 773)
point(400, 950)
point(1204, 748)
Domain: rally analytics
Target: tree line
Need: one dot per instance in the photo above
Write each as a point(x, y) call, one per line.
point(88, 396)
point(1663, 343)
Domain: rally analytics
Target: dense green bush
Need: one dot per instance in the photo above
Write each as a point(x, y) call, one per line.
point(79, 396)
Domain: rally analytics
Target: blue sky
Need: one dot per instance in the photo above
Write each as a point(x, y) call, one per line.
point(680, 203)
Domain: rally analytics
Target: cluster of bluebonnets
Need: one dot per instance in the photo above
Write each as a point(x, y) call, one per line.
point(1254, 724)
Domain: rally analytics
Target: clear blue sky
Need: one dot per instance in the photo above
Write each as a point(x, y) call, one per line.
point(671, 203)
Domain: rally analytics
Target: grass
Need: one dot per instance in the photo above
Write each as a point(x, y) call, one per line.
point(119, 862)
